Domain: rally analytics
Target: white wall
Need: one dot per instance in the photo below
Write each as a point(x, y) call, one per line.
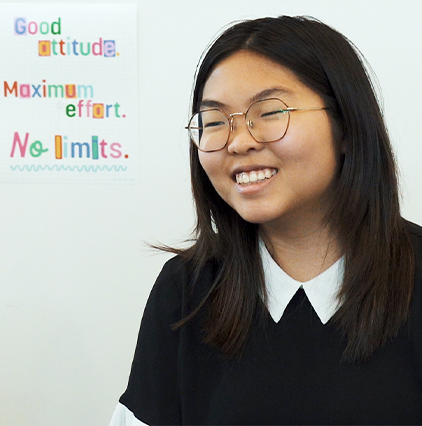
point(74, 273)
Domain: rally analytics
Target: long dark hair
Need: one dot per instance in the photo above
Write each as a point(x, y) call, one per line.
point(365, 213)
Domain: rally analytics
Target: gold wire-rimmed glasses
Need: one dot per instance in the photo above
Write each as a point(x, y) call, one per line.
point(267, 120)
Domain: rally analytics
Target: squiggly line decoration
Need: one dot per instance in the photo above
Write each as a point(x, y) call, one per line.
point(94, 169)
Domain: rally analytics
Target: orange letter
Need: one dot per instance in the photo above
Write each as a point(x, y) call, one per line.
point(70, 91)
point(58, 140)
point(98, 111)
point(44, 48)
point(11, 90)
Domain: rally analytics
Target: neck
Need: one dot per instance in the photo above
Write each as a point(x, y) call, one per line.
point(303, 252)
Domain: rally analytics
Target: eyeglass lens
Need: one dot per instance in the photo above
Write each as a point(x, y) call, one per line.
point(267, 121)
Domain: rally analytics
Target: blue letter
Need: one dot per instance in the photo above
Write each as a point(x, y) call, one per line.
point(20, 27)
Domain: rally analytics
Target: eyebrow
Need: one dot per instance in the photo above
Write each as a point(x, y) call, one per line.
point(267, 93)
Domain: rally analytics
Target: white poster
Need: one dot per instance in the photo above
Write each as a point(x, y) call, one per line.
point(68, 93)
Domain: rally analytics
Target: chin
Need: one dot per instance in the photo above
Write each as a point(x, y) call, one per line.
point(257, 218)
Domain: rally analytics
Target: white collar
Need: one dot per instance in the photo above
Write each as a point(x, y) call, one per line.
point(321, 291)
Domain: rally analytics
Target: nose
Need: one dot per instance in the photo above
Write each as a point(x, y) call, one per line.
point(240, 139)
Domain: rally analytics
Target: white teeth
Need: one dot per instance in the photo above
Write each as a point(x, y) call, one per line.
point(255, 176)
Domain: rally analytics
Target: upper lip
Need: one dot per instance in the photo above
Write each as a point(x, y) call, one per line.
point(250, 168)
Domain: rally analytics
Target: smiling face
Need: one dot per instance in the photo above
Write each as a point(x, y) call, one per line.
point(280, 183)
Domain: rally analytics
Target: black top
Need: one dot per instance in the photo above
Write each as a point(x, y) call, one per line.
point(289, 373)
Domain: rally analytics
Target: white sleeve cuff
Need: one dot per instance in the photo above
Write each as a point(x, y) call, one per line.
point(122, 416)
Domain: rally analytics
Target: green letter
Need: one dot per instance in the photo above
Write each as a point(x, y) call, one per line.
point(36, 149)
point(70, 110)
point(56, 89)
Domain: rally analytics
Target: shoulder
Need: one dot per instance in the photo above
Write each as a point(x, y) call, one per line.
point(182, 283)
point(181, 272)
point(173, 273)
point(414, 229)
point(415, 233)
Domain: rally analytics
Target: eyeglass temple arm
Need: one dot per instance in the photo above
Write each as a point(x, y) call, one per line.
point(305, 109)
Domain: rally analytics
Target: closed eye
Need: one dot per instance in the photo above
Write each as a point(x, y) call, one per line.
point(214, 124)
point(272, 113)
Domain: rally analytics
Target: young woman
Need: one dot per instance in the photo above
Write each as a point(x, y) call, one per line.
point(300, 301)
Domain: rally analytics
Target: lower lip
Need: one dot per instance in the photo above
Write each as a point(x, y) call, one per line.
point(253, 188)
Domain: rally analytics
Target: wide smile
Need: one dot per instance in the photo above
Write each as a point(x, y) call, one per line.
point(254, 176)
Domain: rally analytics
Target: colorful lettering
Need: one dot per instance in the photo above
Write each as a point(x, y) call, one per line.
point(99, 45)
point(17, 141)
point(95, 147)
point(98, 111)
point(70, 91)
point(109, 48)
point(88, 49)
point(36, 91)
point(116, 108)
point(65, 147)
point(44, 28)
point(24, 91)
point(36, 149)
point(115, 147)
point(56, 27)
point(56, 88)
point(103, 145)
point(58, 146)
point(54, 44)
point(106, 48)
point(85, 91)
point(32, 28)
point(20, 27)
point(44, 48)
point(13, 89)
point(80, 145)
point(70, 110)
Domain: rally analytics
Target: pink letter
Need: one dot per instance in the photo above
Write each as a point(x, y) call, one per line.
point(99, 51)
point(24, 91)
point(103, 145)
point(116, 150)
point(17, 140)
point(34, 26)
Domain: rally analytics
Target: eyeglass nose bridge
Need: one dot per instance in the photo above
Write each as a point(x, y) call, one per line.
point(231, 116)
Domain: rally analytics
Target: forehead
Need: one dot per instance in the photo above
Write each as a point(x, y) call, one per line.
point(243, 76)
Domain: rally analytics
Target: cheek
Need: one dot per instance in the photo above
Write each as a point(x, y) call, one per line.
point(307, 157)
point(203, 160)
point(213, 165)
point(210, 163)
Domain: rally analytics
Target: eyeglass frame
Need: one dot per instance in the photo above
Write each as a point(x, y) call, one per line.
point(230, 119)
